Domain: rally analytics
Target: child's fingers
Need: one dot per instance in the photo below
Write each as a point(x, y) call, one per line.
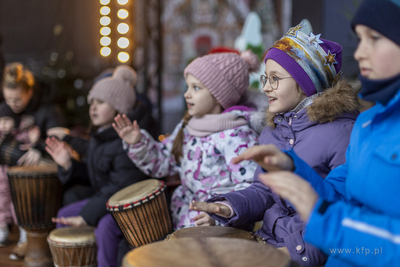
point(136, 127)
point(126, 120)
point(120, 121)
point(199, 216)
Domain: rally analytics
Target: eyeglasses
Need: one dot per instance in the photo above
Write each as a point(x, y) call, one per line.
point(273, 80)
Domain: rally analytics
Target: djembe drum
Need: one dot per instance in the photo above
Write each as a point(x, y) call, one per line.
point(141, 212)
point(36, 194)
point(211, 231)
point(73, 247)
point(211, 251)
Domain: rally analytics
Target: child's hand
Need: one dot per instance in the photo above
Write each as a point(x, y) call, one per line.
point(59, 151)
point(74, 221)
point(34, 134)
point(128, 131)
point(217, 208)
point(203, 219)
point(31, 157)
point(269, 157)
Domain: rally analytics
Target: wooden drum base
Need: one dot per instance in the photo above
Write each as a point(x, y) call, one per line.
point(38, 251)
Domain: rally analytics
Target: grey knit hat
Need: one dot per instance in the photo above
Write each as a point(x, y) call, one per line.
point(226, 75)
point(117, 91)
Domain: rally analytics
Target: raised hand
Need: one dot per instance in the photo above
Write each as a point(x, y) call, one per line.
point(128, 131)
point(269, 157)
point(203, 219)
point(218, 208)
point(59, 151)
point(74, 221)
point(295, 189)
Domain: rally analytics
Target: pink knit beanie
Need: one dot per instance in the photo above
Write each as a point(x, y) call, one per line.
point(117, 91)
point(226, 75)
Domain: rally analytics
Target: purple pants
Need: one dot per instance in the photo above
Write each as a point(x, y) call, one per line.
point(107, 234)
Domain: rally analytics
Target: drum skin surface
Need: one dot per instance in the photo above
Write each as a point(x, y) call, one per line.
point(210, 252)
point(210, 231)
point(73, 247)
point(141, 212)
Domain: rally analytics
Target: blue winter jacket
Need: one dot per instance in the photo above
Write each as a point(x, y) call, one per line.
point(357, 218)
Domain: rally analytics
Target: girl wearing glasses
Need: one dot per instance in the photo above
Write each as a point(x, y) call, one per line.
point(216, 129)
point(310, 112)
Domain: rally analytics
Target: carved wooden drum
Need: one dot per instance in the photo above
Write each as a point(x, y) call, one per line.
point(141, 212)
point(73, 247)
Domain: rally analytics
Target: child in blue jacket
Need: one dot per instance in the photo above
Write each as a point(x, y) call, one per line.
point(353, 214)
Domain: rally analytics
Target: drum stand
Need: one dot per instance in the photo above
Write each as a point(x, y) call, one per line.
point(38, 251)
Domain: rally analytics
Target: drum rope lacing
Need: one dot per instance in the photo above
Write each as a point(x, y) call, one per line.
point(138, 202)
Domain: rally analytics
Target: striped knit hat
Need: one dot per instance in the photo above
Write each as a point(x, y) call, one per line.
point(226, 75)
point(314, 63)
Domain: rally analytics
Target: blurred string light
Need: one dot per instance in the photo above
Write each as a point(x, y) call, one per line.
point(105, 51)
point(122, 2)
point(123, 42)
point(123, 57)
point(122, 13)
point(105, 31)
point(105, 21)
point(105, 10)
point(122, 29)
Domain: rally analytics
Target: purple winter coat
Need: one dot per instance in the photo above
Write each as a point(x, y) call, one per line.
point(322, 143)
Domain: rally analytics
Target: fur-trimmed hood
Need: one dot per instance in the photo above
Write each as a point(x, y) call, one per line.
point(335, 102)
point(258, 101)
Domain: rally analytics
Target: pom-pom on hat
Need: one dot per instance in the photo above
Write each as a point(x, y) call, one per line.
point(226, 75)
point(313, 62)
point(116, 90)
point(383, 16)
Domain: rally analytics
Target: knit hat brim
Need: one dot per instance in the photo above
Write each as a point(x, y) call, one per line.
point(382, 16)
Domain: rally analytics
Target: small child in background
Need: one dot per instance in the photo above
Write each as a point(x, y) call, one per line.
point(215, 129)
point(107, 168)
point(11, 141)
point(311, 113)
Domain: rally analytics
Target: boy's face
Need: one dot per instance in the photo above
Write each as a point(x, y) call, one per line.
point(378, 57)
point(6, 124)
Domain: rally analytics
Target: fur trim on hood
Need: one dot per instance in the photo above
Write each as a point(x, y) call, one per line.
point(259, 102)
point(340, 99)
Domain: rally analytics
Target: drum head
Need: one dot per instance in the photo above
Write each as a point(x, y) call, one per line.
point(72, 236)
point(134, 193)
point(211, 231)
point(221, 252)
point(32, 170)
